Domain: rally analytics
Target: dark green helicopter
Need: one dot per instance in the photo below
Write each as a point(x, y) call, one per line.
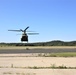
point(24, 34)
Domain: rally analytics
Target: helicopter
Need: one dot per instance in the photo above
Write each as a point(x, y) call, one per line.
point(24, 34)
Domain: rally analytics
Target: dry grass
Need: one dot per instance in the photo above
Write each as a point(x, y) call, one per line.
point(35, 47)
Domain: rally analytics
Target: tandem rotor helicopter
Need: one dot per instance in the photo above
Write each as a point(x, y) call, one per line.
point(24, 34)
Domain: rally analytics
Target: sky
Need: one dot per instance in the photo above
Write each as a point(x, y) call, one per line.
point(52, 19)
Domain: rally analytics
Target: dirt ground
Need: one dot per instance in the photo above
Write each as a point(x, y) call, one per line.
point(12, 71)
point(13, 65)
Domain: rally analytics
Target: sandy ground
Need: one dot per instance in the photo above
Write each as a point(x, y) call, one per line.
point(6, 64)
point(11, 71)
point(37, 61)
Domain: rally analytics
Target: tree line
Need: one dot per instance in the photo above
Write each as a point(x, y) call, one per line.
point(50, 43)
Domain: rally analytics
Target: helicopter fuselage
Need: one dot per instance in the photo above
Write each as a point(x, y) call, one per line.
point(24, 37)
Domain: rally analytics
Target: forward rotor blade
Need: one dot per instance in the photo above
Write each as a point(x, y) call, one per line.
point(26, 28)
point(15, 30)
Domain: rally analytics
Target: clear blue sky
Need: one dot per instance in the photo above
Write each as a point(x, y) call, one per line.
point(53, 19)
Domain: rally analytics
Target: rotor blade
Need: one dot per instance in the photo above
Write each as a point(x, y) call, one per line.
point(32, 33)
point(26, 28)
point(15, 30)
point(21, 30)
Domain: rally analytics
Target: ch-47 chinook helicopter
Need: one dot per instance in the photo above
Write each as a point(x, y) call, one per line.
point(24, 34)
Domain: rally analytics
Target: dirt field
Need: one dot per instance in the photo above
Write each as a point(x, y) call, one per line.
point(20, 65)
point(12, 71)
point(29, 64)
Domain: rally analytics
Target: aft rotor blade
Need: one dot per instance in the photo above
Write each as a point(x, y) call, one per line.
point(32, 33)
point(15, 30)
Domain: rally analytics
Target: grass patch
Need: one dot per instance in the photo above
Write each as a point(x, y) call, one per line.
point(53, 66)
point(36, 47)
point(68, 54)
point(63, 54)
point(7, 73)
